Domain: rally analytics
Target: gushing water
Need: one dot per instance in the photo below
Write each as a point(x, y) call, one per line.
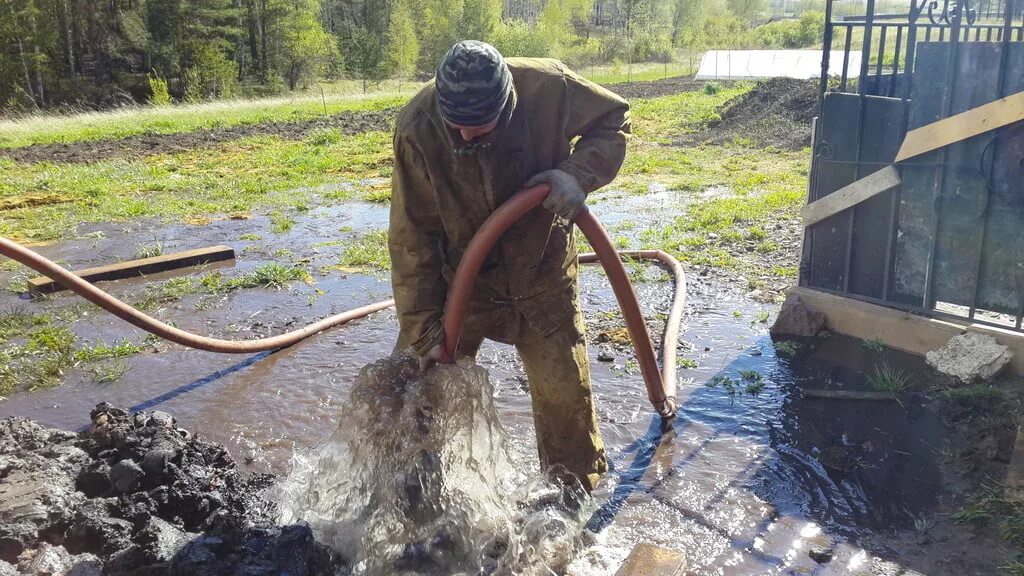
point(417, 480)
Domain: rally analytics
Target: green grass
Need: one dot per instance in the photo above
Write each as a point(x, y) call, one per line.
point(873, 345)
point(272, 276)
point(762, 317)
point(258, 172)
point(49, 128)
point(150, 250)
point(663, 120)
point(281, 223)
point(991, 506)
point(886, 378)
point(369, 251)
point(641, 71)
point(786, 348)
point(687, 363)
point(109, 372)
point(975, 395)
point(98, 352)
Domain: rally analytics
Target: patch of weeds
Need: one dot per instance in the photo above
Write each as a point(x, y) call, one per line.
point(1014, 568)
point(687, 363)
point(346, 229)
point(281, 223)
point(324, 136)
point(763, 316)
point(273, 276)
point(107, 351)
point(170, 291)
point(974, 395)
point(755, 388)
point(728, 384)
point(886, 378)
point(711, 89)
point(369, 251)
point(109, 372)
point(327, 244)
point(150, 250)
point(737, 314)
point(51, 339)
point(750, 375)
point(250, 237)
point(17, 323)
point(924, 523)
point(283, 253)
point(786, 348)
point(873, 345)
point(991, 505)
point(378, 195)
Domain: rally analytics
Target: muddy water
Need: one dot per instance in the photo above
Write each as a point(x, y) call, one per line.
point(744, 484)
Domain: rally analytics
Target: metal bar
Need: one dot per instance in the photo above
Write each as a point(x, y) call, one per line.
point(988, 34)
point(881, 51)
point(846, 58)
point(890, 245)
point(927, 33)
point(979, 253)
point(865, 66)
point(826, 53)
point(952, 66)
point(896, 61)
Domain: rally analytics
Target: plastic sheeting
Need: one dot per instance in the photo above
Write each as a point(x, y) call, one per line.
point(756, 64)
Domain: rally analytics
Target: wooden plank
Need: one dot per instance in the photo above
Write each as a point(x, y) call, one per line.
point(997, 114)
point(141, 267)
point(848, 395)
point(850, 195)
point(897, 329)
point(1015, 474)
point(648, 560)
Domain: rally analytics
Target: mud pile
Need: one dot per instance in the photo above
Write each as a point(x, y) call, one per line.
point(138, 495)
point(656, 88)
point(777, 112)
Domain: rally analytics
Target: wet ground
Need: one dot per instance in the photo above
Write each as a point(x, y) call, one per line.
point(752, 478)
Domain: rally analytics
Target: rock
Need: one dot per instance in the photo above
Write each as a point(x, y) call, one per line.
point(293, 550)
point(95, 531)
point(970, 358)
point(125, 475)
point(161, 420)
point(795, 319)
point(56, 561)
point(604, 354)
point(156, 545)
point(820, 554)
point(7, 569)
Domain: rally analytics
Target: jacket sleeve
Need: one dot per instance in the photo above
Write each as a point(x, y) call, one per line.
point(415, 240)
point(600, 118)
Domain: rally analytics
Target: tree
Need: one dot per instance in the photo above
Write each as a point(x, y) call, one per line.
point(747, 10)
point(403, 46)
point(365, 57)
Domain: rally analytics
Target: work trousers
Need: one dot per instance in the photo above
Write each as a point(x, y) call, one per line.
point(558, 370)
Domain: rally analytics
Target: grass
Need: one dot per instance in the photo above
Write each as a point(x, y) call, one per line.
point(258, 172)
point(369, 251)
point(762, 317)
point(109, 372)
point(640, 72)
point(786, 348)
point(150, 250)
point(50, 129)
point(281, 223)
point(991, 506)
point(687, 363)
point(663, 120)
point(975, 395)
point(103, 351)
point(886, 378)
point(873, 345)
point(272, 276)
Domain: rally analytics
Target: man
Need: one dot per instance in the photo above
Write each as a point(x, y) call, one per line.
point(485, 128)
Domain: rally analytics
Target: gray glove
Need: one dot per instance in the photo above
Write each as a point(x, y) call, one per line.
point(566, 198)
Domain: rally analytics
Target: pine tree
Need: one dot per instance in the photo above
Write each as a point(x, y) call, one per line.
point(403, 46)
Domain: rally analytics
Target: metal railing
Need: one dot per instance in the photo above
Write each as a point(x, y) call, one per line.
point(888, 45)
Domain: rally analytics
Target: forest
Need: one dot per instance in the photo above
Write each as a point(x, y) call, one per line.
point(94, 54)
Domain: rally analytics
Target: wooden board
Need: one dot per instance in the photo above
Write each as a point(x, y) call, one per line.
point(897, 329)
point(973, 122)
point(648, 560)
point(848, 395)
point(850, 195)
point(141, 267)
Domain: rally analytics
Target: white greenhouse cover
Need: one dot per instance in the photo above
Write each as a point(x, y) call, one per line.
point(755, 64)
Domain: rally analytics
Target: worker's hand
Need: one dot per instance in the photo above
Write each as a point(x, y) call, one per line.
point(432, 356)
point(566, 198)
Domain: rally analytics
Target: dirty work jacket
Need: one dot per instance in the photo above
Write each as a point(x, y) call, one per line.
point(440, 198)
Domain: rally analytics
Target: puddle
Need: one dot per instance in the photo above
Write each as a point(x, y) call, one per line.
point(744, 484)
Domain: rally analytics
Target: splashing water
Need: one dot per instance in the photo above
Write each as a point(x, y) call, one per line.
point(417, 480)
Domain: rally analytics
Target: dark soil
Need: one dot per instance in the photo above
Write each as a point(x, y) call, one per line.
point(348, 123)
point(777, 112)
point(656, 88)
point(137, 495)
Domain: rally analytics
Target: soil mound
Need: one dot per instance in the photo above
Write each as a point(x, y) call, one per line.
point(349, 123)
point(656, 88)
point(776, 112)
point(134, 495)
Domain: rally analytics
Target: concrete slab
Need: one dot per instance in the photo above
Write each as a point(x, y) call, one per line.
point(757, 64)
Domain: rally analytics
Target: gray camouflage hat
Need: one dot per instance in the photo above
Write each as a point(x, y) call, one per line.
point(472, 84)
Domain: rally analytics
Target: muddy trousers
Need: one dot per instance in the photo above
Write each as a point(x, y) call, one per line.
point(558, 370)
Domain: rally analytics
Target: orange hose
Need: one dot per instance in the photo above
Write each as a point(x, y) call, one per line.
point(661, 388)
point(142, 320)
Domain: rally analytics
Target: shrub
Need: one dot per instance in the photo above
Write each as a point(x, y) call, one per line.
point(159, 95)
point(517, 38)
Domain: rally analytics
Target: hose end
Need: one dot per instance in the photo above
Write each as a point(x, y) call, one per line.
point(666, 408)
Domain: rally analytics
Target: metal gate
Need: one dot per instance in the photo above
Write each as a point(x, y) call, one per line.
point(948, 242)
